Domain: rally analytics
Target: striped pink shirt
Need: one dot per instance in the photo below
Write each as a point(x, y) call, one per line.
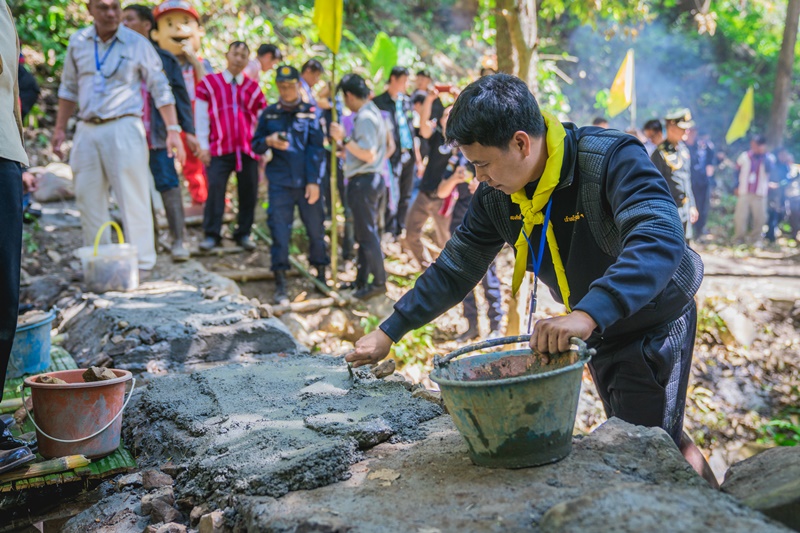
point(233, 112)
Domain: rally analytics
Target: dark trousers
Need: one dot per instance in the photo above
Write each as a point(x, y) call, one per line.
point(491, 288)
point(162, 167)
point(348, 240)
point(247, 188)
point(642, 378)
point(10, 256)
point(404, 174)
point(702, 200)
point(774, 217)
point(364, 193)
point(280, 218)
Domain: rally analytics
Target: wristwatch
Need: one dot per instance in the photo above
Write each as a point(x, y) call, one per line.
point(346, 140)
point(174, 127)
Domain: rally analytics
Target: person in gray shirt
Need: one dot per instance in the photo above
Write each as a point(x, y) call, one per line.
point(365, 151)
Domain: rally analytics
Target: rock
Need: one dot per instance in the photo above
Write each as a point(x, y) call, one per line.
point(636, 508)
point(53, 183)
point(297, 327)
point(170, 468)
point(265, 311)
point(98, 374)
point(172, 527)
point(153, 479)
point(114, 514)
point(429, 395)
point(741, 327)
point(54, 256)
point(211, 522)
point(741, 394)
point(769, 482)
point(160, 511)
point(197, 513)
point(383, 369)
point(130, 480)
point(164, 495)
point(50, 380)
point(399, 378)
point(342, 324)
point(43, 291)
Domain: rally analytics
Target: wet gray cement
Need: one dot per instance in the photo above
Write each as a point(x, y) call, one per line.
point(171, 326)
point(289, 423)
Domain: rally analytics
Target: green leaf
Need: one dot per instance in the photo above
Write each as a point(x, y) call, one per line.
point(384, 55)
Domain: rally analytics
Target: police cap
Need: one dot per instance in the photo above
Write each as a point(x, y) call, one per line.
point(680, 117)
point(287, 73)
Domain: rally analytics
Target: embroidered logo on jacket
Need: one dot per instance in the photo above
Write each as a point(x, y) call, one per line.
point(574, 218)
point(515, 217)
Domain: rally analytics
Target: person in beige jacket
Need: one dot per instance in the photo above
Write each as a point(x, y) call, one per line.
point(13, 453)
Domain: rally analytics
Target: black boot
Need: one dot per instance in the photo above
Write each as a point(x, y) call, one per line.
point(173, 205)
point(281, 297)
point(11, 459)
point(321, 277)
point(9, 442)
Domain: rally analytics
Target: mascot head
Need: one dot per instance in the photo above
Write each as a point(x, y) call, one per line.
point(177, 22)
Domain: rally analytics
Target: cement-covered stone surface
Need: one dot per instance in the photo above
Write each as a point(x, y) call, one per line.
point(172, 326)
point(290, 423)
point(431, 485)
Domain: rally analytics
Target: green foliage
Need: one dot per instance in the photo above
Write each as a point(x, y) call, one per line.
point(416, 348)
point(47, 25)
point(784, 430)
point(29, 235)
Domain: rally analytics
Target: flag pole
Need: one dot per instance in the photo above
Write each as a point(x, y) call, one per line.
point(334, 185)
point(633, 91)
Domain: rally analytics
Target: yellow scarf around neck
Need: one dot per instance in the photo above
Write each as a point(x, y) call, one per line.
point(533, 209)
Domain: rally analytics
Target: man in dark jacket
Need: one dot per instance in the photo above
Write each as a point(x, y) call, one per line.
point(615, 255)
point(396, 102)
point(140, 19)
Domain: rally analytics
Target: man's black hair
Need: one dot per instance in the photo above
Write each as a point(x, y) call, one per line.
point(486, 71)
point(144, 13)
point(424, 72)
point(418, 98)
point(653, 125)
point(238, 44)
point(491, 110)
point(760, 140)
point(313, 65)
point(599, 120)
point(355, 85)
point(398, 72)
point(271, 49)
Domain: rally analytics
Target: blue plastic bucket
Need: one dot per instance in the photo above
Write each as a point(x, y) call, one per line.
point(30, 353)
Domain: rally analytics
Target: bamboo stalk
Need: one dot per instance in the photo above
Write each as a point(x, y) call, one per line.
point(53, 466)
point(303, 307)
point(6, 406)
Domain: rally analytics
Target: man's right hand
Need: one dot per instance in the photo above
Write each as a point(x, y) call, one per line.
point(57, 140)
point(205, 157)
point(273, 141)
point(370, 349)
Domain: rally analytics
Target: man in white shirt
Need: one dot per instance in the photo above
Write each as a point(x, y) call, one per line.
point(106, 68)
point(754, 167)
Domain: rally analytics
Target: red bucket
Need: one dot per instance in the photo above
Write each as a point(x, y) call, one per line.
point(78, 418)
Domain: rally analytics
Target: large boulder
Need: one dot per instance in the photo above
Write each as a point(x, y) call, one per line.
point(769, 482)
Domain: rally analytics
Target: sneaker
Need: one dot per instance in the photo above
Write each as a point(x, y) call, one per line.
point(209, 243)
point(247, 243)
point(369, 291)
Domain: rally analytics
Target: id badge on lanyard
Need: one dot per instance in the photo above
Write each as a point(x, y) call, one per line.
point(99, 80)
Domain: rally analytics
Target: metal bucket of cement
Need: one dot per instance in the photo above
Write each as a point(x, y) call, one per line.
point(78, 418)
point(30, 352)
point(515, 408)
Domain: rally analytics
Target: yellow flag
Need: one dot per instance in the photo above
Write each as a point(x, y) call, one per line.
point(744, 116)
point(328, 19)
point(621, 94)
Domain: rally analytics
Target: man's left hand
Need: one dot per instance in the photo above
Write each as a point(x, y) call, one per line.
point(175, 147)
point(312, 193)
point(192, 143)
point(694, 214)
point(336, 131)
point(551, 335)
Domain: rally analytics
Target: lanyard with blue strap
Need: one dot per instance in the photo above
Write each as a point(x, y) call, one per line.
point(537, 262)
point(99, 77)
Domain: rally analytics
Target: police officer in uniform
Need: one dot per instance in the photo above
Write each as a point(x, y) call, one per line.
point(290, 130)
point(673, 160)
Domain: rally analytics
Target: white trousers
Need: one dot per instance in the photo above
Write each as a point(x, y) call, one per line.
point(114, 155)
point(749, 206)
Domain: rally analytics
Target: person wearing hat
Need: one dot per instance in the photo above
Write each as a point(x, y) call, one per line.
point(589, 215)
point(290, 130)
point(228, 104)
point(177, 30)
point(673, 160)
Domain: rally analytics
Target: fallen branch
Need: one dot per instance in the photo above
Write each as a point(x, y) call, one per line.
point(306, 306)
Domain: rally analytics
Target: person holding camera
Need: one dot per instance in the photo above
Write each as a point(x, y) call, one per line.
point(290, 130)
point(227, 107)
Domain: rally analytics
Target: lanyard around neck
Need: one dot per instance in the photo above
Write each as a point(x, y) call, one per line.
point(98, 63)
point(537, 261)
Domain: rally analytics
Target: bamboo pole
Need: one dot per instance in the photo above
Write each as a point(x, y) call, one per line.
point(53, 466)
point(334, 185)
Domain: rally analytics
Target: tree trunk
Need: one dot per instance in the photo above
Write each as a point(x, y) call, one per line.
point(521, 20)
point(505, 50)
point(783, 78)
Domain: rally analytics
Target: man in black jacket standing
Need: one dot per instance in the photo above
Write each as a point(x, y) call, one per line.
point(396, 102)
point(615, 255)
point(140, 19)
